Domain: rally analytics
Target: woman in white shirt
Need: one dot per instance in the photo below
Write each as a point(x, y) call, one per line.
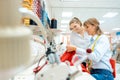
point(101, 52)
point(78, 36)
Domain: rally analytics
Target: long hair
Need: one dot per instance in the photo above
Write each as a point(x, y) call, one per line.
point(94, 22)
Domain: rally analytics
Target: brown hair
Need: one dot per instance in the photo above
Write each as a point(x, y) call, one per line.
point(94, 22)
point(75, 19)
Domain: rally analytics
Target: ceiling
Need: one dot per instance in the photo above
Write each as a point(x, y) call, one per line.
point(84, 9)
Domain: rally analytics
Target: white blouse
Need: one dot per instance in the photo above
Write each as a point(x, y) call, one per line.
point(101, 54)
point(79, 41)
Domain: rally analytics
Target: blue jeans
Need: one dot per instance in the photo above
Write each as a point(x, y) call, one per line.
point(101, 74)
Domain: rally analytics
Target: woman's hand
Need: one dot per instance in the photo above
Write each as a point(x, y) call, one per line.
point(70, 48)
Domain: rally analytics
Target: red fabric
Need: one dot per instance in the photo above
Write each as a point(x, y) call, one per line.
point(113, 64)
point(67, 56)
point(85, 68)
point(37, 7)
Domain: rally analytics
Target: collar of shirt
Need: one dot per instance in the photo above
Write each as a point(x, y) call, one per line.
point(94, 37)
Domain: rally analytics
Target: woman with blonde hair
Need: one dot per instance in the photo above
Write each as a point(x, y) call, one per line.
point(101, 53)
point(78, 36)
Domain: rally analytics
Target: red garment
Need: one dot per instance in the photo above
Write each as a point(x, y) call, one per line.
point(67, 56)
point(113, 64)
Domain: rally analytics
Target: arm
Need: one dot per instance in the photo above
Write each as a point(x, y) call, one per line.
point(101, 47)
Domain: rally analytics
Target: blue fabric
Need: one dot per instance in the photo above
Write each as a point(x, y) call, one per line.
point(101, 74)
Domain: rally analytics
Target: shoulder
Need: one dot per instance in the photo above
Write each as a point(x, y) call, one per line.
point(73, 36)
point(72, 33)
point(86, 36)
point(103, 38)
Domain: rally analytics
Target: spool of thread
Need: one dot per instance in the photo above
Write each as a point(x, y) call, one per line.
point(53, 23)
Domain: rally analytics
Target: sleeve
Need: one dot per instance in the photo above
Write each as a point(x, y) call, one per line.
point(81, 51)
point(101, 47)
